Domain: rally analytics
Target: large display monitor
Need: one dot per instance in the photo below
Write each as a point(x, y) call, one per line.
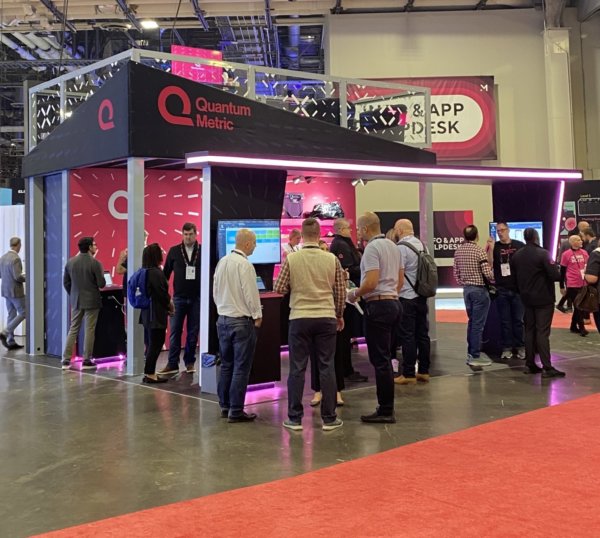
point(517, 229)
point(268, 238)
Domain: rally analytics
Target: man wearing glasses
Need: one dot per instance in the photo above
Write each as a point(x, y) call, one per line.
point(82, 279)
point(508, 301)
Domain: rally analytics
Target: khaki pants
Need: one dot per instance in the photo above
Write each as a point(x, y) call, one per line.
point(77, 316)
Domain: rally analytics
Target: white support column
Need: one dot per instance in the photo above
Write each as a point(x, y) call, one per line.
point(558, 98)
point(34, 200)
point(205, 276)
point(426, 237)
point(64, 249)
point(135, 246)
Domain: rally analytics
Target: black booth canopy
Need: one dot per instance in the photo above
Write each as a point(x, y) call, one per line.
point(148, 113)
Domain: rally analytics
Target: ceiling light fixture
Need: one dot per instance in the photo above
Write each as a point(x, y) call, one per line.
point(149, 25)
point(297, 180)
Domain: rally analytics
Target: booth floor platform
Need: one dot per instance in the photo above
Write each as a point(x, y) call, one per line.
point(79, 447)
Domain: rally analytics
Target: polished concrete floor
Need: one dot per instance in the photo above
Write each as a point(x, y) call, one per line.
point(77, 447)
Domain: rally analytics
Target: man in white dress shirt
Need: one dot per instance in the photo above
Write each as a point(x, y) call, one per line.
point(236, 295)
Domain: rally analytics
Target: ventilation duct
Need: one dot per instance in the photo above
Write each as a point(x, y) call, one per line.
point(26, 55)
point(586, 9)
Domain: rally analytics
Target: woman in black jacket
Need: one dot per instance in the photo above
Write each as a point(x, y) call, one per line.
point(154, 319)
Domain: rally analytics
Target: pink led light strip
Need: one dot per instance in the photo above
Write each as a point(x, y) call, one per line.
point(493, 173)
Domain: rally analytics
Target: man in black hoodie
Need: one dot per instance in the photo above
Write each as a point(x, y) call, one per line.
point(344, 250)
point(183, 260)
point(535, 274)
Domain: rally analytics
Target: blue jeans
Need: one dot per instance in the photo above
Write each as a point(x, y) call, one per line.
point(477, 303)
point(184, 307)
point(237, 341)
point(381, 320)
point(16, 314)
point(510, 310)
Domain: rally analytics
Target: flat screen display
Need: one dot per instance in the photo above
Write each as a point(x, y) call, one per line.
point(516, 230)
point(268, 239)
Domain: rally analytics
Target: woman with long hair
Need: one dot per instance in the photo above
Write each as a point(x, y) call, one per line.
point(154, 318)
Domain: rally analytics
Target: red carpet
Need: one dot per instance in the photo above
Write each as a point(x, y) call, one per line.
point(535, 474)
point(560, 320)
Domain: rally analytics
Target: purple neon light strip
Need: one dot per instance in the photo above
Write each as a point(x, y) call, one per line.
point(382, 169)
point(557, 216)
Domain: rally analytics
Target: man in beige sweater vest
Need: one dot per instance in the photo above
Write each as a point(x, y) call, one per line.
point(317, 286)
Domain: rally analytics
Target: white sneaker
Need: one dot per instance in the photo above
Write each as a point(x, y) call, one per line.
point(328, 426)
point(479, 361)
point(521, 353)
point(506, 354)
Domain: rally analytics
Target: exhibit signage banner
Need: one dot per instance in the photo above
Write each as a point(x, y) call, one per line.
point(463, 115)
point(581, 203)
point(197, 72)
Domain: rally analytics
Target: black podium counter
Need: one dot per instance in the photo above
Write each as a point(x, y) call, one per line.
point(267, 357)
point(110, 331)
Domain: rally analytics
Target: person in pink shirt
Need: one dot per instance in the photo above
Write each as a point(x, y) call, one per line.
point(572, 269)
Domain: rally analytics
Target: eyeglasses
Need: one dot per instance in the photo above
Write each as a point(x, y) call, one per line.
point(502, 229)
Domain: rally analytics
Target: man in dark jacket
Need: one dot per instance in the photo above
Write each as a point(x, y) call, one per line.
point(82, 280)
point(344, 250)
point(183, 260)
point(535, 274)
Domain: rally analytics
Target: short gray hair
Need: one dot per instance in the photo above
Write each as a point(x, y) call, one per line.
point(15, 241)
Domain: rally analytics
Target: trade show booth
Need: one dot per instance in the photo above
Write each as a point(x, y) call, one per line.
point(157, 150)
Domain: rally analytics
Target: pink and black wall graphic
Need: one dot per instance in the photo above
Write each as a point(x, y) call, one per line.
point(98, 200)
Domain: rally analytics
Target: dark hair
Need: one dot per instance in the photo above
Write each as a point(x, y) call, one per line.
point(85, 243)
point(589, 232)
point(189, 226)
point(471, 232)
point(152, 256)
point(530, 235)
point(502, 222)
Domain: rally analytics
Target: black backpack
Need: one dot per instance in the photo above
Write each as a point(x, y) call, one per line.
point(427, 277)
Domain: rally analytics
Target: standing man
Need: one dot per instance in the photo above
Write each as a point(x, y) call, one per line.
point(414, 328)
point(293, 241)
point(535, 275)
point(11, 272)
point(510, 307)
point(236, 295)
point(82, 279)
point(183, 260)
point(346, 252)
point(379, 286)
point(470, 267)
point(317, 286)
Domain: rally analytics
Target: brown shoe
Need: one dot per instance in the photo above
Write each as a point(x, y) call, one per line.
point(423, 378)
point(316, 399)
point(405, 380)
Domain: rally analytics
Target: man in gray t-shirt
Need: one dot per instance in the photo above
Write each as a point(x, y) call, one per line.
point(414, 329)
point(379, 285)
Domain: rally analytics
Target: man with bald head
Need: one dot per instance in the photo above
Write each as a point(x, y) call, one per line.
point(236, 295)
point(379, 287)
point(414, 328)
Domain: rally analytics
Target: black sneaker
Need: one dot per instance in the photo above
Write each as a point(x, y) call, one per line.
point(224, 413)
point(14, 345)
point(244, 417)
point(357, 377)
point(535, 369)
point(65, 364)
point(552, 372)
point(376, 418)
point(87, 365)
point(3, 340)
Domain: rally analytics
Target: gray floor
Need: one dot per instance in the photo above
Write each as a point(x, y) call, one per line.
point(77, 447)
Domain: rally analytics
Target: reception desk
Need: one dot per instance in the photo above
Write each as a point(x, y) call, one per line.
point(111, 340)
point(266, 367)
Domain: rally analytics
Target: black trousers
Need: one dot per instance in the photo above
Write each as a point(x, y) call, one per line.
point(538, 321)
point(341, 342)
point(577, 316)
point(156, 340)
point(414, 335)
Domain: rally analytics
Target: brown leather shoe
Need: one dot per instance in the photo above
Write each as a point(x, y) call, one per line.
point(423, 378)
point(405, 380)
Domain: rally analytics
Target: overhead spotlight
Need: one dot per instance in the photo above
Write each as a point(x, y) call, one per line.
point(149, 25)
point(308, 179)
point(297, 180)
point(358, 181)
